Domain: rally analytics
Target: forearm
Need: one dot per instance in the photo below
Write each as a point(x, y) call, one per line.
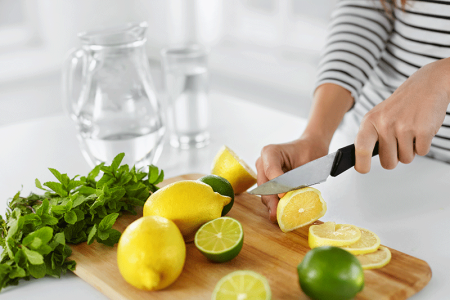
point(329, 106)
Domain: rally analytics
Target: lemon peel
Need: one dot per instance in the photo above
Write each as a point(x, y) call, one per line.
point(142, 253)
point(188, 203)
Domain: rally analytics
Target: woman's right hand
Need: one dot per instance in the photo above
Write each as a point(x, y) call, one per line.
point(276, 159)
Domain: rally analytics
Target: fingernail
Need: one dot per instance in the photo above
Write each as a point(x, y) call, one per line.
point(270, 211)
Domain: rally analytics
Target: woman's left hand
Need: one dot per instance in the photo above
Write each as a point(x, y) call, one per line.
point(405, 123)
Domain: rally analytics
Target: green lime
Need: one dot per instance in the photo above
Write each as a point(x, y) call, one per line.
point(330, 273)
point(242, 285)
point(222, 186)
point(221, 239)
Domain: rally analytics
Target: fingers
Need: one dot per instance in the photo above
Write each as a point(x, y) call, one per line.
point(405, 140)
point(364, 143)
point(388, 151)
point(397, 142)
point(269, 166)
point(423, 143)
point(270, 201)
point(271, 162)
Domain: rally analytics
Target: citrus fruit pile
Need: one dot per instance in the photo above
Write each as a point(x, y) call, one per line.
point(181, 212)
point(299, 208)
point(359, 241)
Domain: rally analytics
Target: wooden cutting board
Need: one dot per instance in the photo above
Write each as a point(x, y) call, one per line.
point(266, 250)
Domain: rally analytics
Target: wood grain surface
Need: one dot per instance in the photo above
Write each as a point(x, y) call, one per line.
point(266, 250)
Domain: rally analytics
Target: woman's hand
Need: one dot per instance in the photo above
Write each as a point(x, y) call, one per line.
point(405, 123)
point(330, 104)
point(275, 160)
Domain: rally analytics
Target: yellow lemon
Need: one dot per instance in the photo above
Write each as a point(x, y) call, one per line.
point(228, 165)
point(332, 234)
point(188, 203)
point(375, 260)
point(368, 243)
point(151, 253)
point(299, 208)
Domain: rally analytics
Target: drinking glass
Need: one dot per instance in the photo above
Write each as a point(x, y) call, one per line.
point(186, 80)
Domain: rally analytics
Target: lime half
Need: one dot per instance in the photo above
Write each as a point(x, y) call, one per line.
point(221, 239)
point(242, 285)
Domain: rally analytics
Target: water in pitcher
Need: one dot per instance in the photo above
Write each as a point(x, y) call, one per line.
point(114, 131)
point(187, 88)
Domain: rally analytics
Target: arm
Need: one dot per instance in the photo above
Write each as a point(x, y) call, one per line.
point(358, 34)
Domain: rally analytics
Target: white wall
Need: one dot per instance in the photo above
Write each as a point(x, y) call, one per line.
point(263, 50)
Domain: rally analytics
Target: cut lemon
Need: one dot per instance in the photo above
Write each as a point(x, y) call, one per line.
point(242, 285)
point(220, 240)
point(332, 234)
point(368, 243)
point(299, 208)
point(229, 166)
point(375, 260)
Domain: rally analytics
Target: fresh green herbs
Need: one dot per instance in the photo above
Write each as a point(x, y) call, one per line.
point(37, 228)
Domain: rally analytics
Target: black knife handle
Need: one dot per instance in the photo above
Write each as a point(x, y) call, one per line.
point(345, 159)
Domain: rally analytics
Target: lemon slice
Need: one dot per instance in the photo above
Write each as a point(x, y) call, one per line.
point(332, 234)
point(228, 165)
point(299, 208)
point(368, 243)
point(242, 285)
point(375, 260)
point(220, 240)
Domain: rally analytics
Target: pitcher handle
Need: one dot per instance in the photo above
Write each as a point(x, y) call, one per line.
point(71, 93)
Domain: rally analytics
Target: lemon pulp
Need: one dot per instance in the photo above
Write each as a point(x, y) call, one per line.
point(299, 208)
point(332, 234)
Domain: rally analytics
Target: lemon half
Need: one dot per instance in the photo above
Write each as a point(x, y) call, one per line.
point(299, 208)
point(228, 165)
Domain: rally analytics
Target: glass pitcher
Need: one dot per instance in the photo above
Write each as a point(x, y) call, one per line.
point(109, 94)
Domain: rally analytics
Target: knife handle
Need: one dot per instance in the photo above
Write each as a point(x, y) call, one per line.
point(345, 159)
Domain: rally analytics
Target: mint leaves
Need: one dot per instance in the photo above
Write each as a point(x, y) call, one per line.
point(36, 228)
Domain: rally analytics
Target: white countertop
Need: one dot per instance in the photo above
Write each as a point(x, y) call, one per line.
point(407, 207)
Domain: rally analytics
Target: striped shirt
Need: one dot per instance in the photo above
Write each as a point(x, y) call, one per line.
point(371, 55)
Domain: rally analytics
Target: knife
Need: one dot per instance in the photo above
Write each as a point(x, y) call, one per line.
point(314, 172)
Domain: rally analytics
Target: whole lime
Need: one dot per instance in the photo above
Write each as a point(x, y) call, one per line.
point(222, 186)
point(330, 273)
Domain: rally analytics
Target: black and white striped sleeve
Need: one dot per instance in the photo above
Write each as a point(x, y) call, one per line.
point(358, 32)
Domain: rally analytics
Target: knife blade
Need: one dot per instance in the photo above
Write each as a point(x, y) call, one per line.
point(311, 173)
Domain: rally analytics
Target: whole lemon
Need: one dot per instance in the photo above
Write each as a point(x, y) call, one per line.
point(188, 203)
point(151, 253)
